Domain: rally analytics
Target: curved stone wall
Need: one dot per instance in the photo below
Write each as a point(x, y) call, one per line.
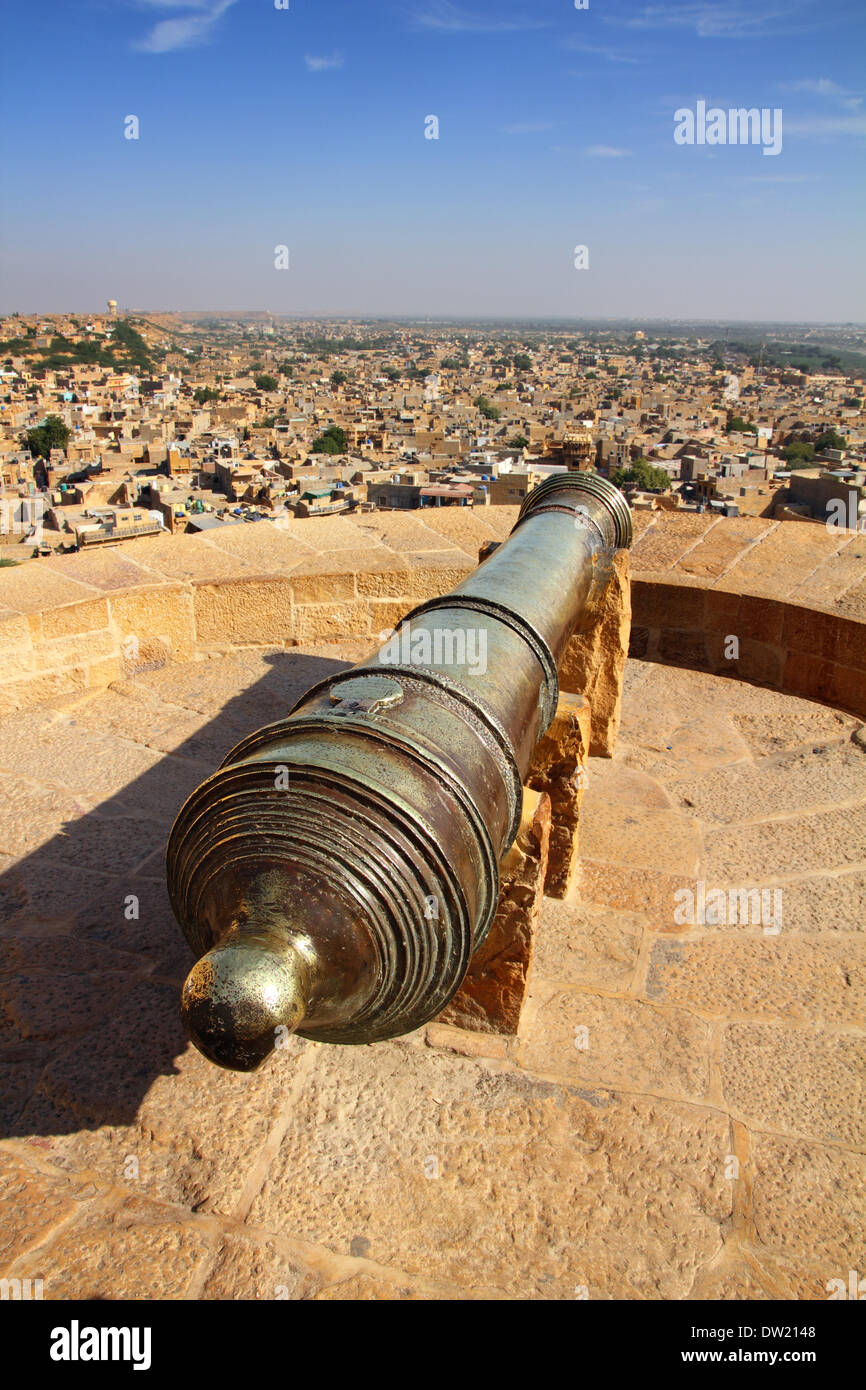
point(793, 595)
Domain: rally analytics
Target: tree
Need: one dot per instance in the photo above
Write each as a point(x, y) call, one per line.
point(52, 434)
point(338, 378)
point(135, 349)
point(645, 474)
point(737, 425)
point(523, 362)
point(267, 383)
point(489, 411)
point(518, 442)
point(333, 441)
point(204, 394)
point(798, 454)
point(829, 439)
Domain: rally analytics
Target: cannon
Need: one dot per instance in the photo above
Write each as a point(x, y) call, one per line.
point(337, 872)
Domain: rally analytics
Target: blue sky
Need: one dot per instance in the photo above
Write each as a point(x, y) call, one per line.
point(305, 127)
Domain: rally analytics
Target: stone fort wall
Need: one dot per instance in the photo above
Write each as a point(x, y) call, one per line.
point(793, 596)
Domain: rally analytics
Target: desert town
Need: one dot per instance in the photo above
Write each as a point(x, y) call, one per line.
point(115, 426)
point(650, 1085)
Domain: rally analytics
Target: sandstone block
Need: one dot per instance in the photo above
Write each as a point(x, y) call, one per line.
point(323, 622)
point(598, 1041)
point(462, 1170)
point(559, 769)
point(35, 1207)
point(323, 588)
point(235, 610)
point(165, 612)
point(74, 618)
point(137, 1251)
point(491, 997)
point(805, 1081)
point(594, 662)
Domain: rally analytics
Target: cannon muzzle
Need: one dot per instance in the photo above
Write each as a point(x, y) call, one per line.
point(338, 871)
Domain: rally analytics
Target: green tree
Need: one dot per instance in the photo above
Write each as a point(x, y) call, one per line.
point(798, 454)
point(333, 441)
point(523, 362)
point(267, 383)
point(134, 348)
point(518, 442)
point(490, 412)
point(338, 378)
point(737, 425)
point(52, 434)
point(204, 394)
point(829, 439)
point(645, 474)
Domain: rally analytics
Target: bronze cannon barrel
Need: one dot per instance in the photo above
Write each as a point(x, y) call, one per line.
point(338, 871)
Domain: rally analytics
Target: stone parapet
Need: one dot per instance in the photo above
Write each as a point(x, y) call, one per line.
point(793, 595)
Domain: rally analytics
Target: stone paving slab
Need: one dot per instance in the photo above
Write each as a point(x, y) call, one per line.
point(593, 1153)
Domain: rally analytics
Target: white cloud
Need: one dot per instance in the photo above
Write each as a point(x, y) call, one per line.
point(443, 17)
point(324, 64)
point(826, 87)
point(171, 34)
point(606, 152)
point(709, 19)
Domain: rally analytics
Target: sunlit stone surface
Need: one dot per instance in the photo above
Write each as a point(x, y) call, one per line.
point(681, 1115)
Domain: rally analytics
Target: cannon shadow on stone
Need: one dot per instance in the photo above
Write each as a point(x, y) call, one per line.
point(88, 989)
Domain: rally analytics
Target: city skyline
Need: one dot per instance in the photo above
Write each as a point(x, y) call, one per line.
point(307, 129)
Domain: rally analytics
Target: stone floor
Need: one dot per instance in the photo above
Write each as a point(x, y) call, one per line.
point(681, 1116)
